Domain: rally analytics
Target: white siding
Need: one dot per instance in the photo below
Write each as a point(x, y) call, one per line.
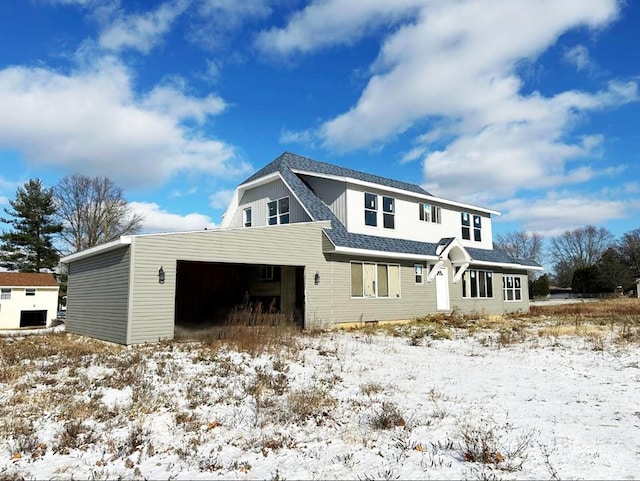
point(258, 198)
point(45, 299)
point(407, 221)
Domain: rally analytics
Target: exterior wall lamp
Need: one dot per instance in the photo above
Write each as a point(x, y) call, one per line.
point(161, 275)
point(316, 278)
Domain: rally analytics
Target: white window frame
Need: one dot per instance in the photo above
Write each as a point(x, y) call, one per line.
point(247, 217)
point(279, 216)
point(430, 213)
point(388, 215)
point(371, 206)
point(477, 228)
point(475, 280)
point(512, 287)
point(5, 294)
point(418, 272)
point(375, 290)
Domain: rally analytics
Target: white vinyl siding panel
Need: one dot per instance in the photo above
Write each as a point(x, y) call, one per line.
point(98, 294)
point(258, 198)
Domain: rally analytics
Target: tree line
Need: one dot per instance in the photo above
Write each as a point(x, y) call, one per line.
point(588, 259)
point(77, 213)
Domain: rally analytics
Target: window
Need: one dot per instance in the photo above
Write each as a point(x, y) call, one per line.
point(5, 293)
point(478, 284)
point(466, 225)
point(370, 209)
point(512, 288)
point(30, 291)
point(477, 227)
point(278, 211)
point(388, 212)
point(430, 213)
point(373, 280)
point(418, 270)
point(247, 217)
point(266, 273)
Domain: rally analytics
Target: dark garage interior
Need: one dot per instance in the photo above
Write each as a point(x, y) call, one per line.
point(217, 294)
point(33, 318)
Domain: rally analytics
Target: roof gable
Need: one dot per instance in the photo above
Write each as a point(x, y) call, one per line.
point(27, 279)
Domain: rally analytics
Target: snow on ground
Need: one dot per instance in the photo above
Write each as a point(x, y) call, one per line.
point(340, 405)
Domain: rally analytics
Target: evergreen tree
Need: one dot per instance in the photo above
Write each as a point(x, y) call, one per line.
point(28, 247)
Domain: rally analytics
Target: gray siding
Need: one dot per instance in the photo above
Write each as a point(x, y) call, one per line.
point(153, 304)
point(416, 299)
point(333, 193)
point(258, 198)
point(97, 295)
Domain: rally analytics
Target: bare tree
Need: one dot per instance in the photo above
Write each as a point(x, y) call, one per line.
point(93, 211)
point(522, 245)
point(578, 249)
point(629, 247)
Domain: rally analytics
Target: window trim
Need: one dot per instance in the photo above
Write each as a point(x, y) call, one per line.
point(371, 209)
point(279, 216)
point(247, 217)
point(515, 289)
point(430, 213)
point(388, 215)
point(5, 294)
point(30, 291)
point(376, 286)
point(418, 275)
point(472, 286)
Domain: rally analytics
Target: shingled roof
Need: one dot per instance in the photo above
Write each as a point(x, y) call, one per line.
point(24, 279)
point(287, 163)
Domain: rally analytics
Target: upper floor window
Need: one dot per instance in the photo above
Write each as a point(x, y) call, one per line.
point(477, 283)
point(30, 291)
point(247, 217)
point(5, 294)
point(278, 211)
point(512, 288)
point(430, 213)
point(388, 212)
point(466, 226)
point(370, 209)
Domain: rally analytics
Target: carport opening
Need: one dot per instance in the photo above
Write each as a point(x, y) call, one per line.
point(33, 318)
point(212, 294)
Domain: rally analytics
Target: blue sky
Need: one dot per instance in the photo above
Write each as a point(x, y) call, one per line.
point(529, 107)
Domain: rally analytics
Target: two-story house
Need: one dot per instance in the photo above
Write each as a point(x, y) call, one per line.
point(321, 244)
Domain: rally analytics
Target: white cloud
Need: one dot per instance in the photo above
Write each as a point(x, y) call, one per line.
point(157, 219)
point(221, 199)
point(456, 65)
point(578, 56)
point(558, 212)
point(141, 32)
point(91, 121)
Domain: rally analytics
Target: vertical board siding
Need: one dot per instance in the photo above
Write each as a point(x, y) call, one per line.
point(153, 304)
point(97, 296)
point(258, 198)
point(331, 192)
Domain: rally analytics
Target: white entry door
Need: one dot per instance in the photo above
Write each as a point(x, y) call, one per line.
point(442, 289)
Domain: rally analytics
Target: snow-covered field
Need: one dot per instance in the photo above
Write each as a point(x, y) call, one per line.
point(339, 405)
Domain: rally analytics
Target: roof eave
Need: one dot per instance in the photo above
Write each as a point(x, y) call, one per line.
point(109, 246)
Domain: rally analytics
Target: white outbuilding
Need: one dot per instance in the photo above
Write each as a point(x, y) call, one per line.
point(27, 299)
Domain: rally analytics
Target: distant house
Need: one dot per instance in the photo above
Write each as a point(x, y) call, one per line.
point(27, 299)
point(324, 245)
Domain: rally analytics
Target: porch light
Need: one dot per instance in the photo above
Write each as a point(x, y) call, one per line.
point(316, 278)
point(161, 275)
